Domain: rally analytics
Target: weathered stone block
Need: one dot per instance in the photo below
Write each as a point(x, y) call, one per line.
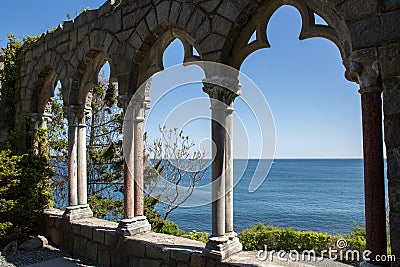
point(175, 11)
point(133, 262)
point(120, 260)
point(82, 32)
point(391, 94)
point(91, 251)
point(163, 11)
point(110, 238)
point(135, 40)
point(390, 60)
point(186, 13)
point(113, 23)
point(229, 10)
point(221, 25)
point(142, 30)
point(357, 9)
point(134, 247)
point(76, 228)
point(212, 43)
point(203, 30)
point(103, 257)
point(55, 236)
point(129, 20)
point(87, 231)
point(98, 235)
point(157, 251)
point(151, 20)
point(366, 32)
point(197, 260)
point(79, 245)
point(195, 20)
point(181, 254)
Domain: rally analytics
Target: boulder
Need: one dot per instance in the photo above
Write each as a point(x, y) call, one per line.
point(11, 247)
point(35, 243)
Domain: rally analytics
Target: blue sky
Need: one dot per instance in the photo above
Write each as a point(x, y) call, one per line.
point(316, 111)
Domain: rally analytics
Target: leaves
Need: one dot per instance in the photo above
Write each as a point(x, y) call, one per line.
point(24, 192)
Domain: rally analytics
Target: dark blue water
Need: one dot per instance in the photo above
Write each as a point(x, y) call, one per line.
point(323, 195)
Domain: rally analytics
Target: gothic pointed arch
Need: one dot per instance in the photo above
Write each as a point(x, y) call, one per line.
point(258, 17)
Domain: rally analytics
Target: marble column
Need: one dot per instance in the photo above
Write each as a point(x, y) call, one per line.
point(35, 119)
point(222, 95)
point(229, 172)
point(129, 193)
point(72, 158)
point(218, 174)
point(138, 160)
point(82, 162)
point(134, 222)
point(77, 166)
point(364, 68)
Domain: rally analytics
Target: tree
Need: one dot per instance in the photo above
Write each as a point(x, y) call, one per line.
point(178, 166)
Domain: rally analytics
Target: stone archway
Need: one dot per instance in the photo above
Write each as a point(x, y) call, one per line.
point(125, 31)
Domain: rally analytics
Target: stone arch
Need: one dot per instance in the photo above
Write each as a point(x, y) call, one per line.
point(86, 75)
point(151, 56)
point(42, 81)
point(336, 30)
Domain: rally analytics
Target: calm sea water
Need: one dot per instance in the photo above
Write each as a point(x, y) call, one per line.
point(324, 195)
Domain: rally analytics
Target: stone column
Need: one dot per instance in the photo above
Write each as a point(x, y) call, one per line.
point(82, 162)
point(129, 193)
point(134, 222)
point(35, 143)
point(391, 107)
point(229, 172)
point(43, 148)
point(138, 160)
point(72, 157)
point(364, 68)
point(222, 95)
point(78, 208)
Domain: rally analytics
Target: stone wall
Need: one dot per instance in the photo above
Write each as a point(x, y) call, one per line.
point(97, 240)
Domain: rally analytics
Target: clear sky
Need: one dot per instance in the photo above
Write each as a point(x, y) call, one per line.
point(316, 111)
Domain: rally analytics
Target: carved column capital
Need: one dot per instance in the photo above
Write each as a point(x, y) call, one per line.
point(363, 67)
point(223, 89)
point(75, 112)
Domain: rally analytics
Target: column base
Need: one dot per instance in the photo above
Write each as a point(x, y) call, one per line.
point(134, 226)
point(79, 212)
point(221, 248)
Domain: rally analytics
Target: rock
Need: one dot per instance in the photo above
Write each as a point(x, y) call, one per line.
point(34, 243)
point(11, 247)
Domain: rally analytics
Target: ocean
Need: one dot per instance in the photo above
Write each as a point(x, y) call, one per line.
point(322, 195)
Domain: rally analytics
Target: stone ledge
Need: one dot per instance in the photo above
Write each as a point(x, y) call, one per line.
point(98, 240)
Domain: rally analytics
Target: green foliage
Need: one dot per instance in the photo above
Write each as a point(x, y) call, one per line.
point(8, 79)
point(105, 207)
point(256, 237)
point(170, 228)
point(198, 236)
point(24, 193)
point(356, 238)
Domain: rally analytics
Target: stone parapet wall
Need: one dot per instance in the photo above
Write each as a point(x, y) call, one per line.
point(97, 240)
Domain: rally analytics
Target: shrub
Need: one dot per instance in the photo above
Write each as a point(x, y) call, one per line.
point(198, 236)
point(24, 193)
point(105, 208)
point(259, 236)
point(256, 237)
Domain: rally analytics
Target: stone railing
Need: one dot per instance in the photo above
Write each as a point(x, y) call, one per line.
point(97, 240)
